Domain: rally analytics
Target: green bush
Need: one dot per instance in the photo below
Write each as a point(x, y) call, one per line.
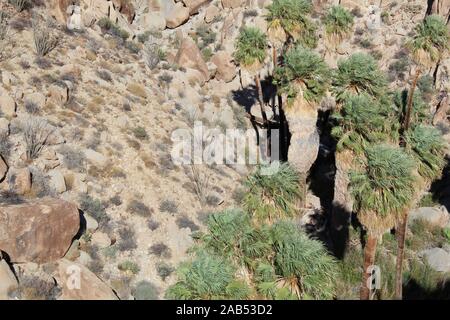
point(113, 28)
point(251, 46)
point(145, 290)
point(129, 266)
point(338, 21)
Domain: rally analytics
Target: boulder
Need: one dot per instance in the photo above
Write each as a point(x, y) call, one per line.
point(211, 13)
point(8, 281)
point(438, 217)
point(226, 70)
point(101, 239)
point(91, 223)
point(232, 3)
point(38, 231)
point(152, 21)
point(3, 168)
point(79, 283)
point(7, 106)
point(178, 15)
point(189, 56)
point(20, 180)
point(194, 5)
point(437, 258)
point(57, 181)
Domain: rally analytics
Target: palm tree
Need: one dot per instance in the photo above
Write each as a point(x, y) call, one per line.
point(382, 188)
point(338, 24)
point(361, 120)
point(237, 259)
point(357, 74)
point(302, 80)
point(288, 21)
point(272, 196)
point(251, 51)
point(428, 149)
point(429, 43)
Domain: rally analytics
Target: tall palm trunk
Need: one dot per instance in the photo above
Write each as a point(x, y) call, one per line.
point(401, 238)
point(410, 101)
point(305, 140)
point(369, 260)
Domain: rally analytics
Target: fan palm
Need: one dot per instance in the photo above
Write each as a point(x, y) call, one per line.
point(357, 74)
point(288, 19)
point(302, 80)
point(428, 148)
point(338, 23)
point(361, 120)
point(429, 43)
point(250, 53)
point(382, 188)
point(238, 259)
point(272, 196)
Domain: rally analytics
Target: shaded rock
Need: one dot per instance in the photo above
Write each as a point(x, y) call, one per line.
point(178, 15)
point(73, 253)
point(438, 217)
point(8, 281)
point(57, 181)
point(38, 231)
point(194, 5)
point(437, 258)
point(20, 180)
point(79, 283)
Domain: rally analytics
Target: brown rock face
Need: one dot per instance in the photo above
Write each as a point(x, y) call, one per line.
point(178, 15)
point(226, 70)
point(194, 5)
point(79, 283)
point(39, 231)
point(189, 56)
point(20, 180)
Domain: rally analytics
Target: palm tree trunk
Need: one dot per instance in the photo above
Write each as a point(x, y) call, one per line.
point(369, 259)
point(401, 238)
point(261, 99)
point(410, 101)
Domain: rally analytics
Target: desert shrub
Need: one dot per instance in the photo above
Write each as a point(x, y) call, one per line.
point(74, 159)
point(165, 79)
point(31, 107)
point(127, 240)
point(8, 197)
point(132, 46)
point(168, 206)
point(113, 29)
point(160, 249)
point(36, 132)
point(96, 266)
point(139, 208)
point(250, 13)
point(43, 63)
point(185, 222)
point(399, 67)
point(153, 54)
point(20, 5)
point(44, 41)
point(105, 75)
point(116, 200)
point(35, 288)
point(152, 224)
point(140, 133)
point(206, 34)
point(164, 270)
point(145, 290)
point(129, 266)
point(95, 208)
point(426, 86)
point(5, 146)
point(207, 53)
point(40, 185)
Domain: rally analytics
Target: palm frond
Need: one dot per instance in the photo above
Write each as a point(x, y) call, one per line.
point(338, 22)
point(251, 47)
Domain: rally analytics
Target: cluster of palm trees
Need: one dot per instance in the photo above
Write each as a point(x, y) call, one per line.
point(387, 155)
point(258, 252)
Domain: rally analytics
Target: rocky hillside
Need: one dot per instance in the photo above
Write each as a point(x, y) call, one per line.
point(90, 94)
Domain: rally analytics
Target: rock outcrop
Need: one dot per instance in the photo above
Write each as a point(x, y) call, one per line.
point(39, 231)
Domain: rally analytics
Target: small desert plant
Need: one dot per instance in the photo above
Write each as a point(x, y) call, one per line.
point(139, 208)
point(185, 222)
point(31, 107)
point(44, 41)
point(94, 207)
point(201, 180)
point(168, 206)
point(127, 240)
point(129, 266)
point(5, 145)
point(338, 23)
point(74, 159)
point(153, 54)
point(160, 250)
point(140, 133)
point(20, 5)
point(145, 290)
point(113, 29)
point(164, 270)
point(36, 132)
point(207, 36)
point(104, 75)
